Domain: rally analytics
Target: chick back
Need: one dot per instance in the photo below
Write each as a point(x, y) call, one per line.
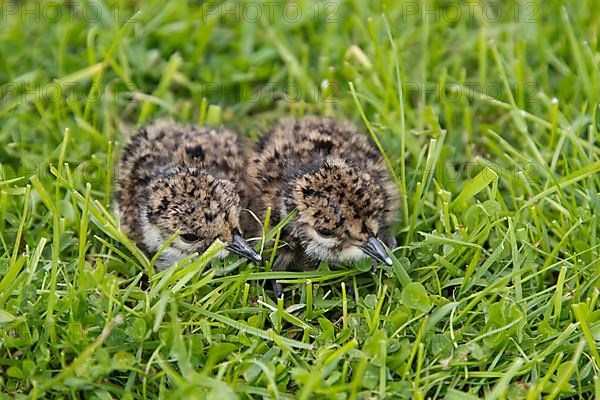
point(294, 144)
point(164, 145)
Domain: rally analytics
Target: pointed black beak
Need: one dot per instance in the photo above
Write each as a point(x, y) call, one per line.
point(241, 248)
point(374, 249)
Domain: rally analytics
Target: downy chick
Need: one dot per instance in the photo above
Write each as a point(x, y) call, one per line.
point(176, 178)
point(337, 182)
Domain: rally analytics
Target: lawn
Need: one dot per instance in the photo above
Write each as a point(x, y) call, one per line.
point(487, 114)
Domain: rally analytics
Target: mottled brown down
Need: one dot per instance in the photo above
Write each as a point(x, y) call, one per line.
point(181, 178)
point(336, 180)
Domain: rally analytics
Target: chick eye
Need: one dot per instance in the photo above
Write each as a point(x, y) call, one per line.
point(326, 233)
point(189, 237)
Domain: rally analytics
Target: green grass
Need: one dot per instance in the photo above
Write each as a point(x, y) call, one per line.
point(494, 288)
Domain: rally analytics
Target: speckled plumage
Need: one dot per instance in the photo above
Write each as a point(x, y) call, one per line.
point(181, 178)
point(337, 181)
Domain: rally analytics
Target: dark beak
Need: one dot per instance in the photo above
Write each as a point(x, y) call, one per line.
point(241, 248)
point(374, 249)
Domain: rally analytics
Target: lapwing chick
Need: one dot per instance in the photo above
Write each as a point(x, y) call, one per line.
point(183, 179)
point(337, 183)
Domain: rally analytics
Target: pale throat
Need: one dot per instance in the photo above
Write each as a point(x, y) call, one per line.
point(327, 249)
